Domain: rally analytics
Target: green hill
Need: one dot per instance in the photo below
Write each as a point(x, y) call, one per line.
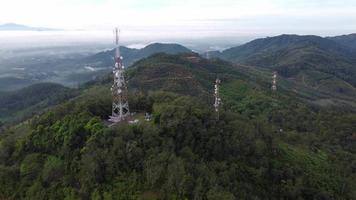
point(264, 145)
point(187, 74)
point(290, 54)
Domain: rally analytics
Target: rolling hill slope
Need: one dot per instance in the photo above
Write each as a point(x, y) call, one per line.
point(184, 73)
point(26, 102)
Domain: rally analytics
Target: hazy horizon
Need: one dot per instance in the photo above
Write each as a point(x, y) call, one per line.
point(147, 21)
point(37, 39)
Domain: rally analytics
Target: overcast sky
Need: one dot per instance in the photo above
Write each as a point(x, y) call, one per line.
point(187, 18)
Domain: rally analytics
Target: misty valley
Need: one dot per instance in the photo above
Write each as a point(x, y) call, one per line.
point(23, 67)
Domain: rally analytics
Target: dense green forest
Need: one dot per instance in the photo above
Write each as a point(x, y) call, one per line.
point(263, 145)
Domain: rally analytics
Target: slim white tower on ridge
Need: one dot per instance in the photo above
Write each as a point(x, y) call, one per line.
point(217, 96)
point(120, 104)
point(274, 81)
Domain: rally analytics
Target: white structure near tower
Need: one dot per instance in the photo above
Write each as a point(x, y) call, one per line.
point(120, 104)
point(274, 81)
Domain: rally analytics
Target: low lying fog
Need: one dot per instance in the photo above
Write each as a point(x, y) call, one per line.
point(10, 40)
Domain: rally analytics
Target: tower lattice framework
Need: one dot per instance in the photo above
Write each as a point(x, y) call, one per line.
point(217, 101)
point(274, 81)
point(120, 104)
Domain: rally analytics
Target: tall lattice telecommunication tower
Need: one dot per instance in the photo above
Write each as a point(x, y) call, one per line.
point(217, 102)
point(120, 104)
point(274, 81)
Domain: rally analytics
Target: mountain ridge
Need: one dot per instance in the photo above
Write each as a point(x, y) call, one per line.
point(348, 40)
point(317, 63)
point(131, 55)
point(284, 41)
point(21, 27)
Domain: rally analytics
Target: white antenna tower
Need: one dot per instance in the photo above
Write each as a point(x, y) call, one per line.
point(120, 104)
point(217, 102)
point(274, 81)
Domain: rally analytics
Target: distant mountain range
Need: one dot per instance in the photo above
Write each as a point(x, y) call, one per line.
point(20, 27)
point(322, 70)
point(317, 69)
point(74, 69)
point(132, 55)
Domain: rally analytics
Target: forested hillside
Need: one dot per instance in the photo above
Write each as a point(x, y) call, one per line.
point(347, 40)
point(322, 70)
point(291, 54)
point(263, 145)
point(23, 103)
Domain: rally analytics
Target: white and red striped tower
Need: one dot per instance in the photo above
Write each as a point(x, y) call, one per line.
point(120, 104)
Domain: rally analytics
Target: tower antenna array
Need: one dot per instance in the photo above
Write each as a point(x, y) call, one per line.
point(217, 102)
point(274, 81)
point(120, 104)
